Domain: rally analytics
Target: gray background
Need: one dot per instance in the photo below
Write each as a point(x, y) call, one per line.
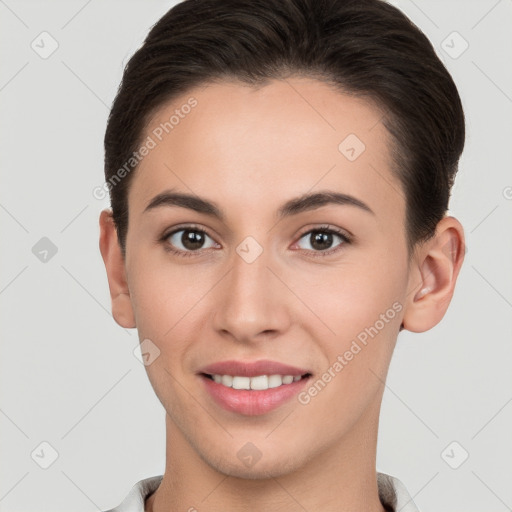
point(69, 376)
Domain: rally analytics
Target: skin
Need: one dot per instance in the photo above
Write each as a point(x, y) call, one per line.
point(249, 150)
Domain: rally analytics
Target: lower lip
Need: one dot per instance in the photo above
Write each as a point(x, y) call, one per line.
point(252, 402)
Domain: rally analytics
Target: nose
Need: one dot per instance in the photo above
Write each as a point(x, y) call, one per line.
point(252, 302)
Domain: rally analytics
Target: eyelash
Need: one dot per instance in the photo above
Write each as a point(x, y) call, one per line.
point(327, 229)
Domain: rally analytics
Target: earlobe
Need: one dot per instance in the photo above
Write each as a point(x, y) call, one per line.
point(122, 309)
point(433, 283)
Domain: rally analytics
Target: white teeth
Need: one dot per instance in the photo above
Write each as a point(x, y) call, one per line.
point(241, 383)
point(274, 381)
point(227, 380)
point(260, 382)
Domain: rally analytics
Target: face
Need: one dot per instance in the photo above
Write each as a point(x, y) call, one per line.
point(259, 274)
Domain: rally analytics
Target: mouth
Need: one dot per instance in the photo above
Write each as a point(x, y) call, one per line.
point(252, 396)
point(255, 383)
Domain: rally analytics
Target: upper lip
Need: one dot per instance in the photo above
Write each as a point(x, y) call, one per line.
point(252, 368)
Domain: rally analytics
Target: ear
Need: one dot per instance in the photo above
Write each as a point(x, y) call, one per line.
point(433, 275)
point(122, 310)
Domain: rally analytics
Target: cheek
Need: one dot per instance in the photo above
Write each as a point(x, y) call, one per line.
point(162, 304)
point(170, 304)
point(365, 316)
point(351, 298)
point(163, 295)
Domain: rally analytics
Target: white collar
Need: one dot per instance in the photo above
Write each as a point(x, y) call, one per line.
point(392, 493)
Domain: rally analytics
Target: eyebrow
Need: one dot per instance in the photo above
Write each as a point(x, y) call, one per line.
point(294, 206)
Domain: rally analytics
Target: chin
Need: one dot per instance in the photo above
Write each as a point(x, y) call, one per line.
point(262, 469)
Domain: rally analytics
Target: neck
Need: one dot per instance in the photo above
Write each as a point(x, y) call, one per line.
point(340, 478)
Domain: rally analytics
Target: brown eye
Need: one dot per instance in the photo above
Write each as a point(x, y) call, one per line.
point(323, 239)
point(189, 239)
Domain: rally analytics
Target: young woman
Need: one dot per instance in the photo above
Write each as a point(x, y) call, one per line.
point(279, 174)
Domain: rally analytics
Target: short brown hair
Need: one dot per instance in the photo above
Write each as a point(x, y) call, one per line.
point(364, 47)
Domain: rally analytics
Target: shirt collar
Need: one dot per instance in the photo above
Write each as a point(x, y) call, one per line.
point(392, 494)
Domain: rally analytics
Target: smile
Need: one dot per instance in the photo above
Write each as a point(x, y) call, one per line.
point(251, 396)
point(259, 382)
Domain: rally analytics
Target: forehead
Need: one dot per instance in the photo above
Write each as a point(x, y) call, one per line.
point(257, 146)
